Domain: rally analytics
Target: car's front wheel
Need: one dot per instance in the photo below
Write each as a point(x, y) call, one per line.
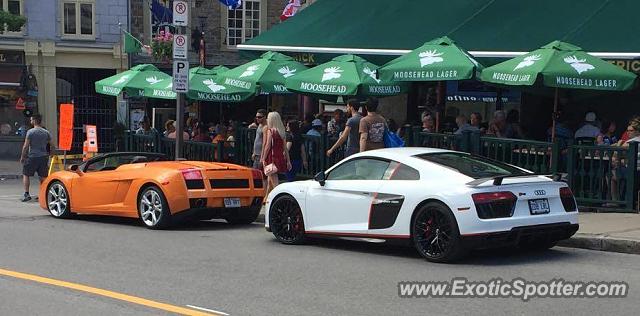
point(435, 233)
point(58, 201)
point(244, 216)
point(153, 208)
point(286, 221)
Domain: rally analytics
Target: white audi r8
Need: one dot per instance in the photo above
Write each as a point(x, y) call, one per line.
point(443, 202)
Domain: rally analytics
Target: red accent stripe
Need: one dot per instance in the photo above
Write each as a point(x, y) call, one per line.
point(375, 196)
point(357, 235)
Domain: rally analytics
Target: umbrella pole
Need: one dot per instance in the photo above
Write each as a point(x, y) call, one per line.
point(555, 111)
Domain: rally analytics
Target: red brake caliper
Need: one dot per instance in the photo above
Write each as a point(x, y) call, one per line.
point(427, 230)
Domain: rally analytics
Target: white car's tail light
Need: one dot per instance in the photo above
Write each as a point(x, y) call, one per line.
point(494, 204)
point(568, 201)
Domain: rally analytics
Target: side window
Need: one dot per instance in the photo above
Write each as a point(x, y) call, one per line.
point(360, 169)
point(398, 171)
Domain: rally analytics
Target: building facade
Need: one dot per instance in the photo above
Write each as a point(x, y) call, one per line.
point(64, 47)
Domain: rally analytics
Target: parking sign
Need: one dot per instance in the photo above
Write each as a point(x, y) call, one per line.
point(180, 47)
point(180, 76)
point(180, 13)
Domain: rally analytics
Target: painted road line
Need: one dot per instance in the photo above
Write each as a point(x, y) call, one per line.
point(106, 293)
point(207, 310)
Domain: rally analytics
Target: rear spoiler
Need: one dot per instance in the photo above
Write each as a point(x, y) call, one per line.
point(497, 180)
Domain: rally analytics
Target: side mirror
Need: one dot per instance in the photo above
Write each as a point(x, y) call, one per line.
point(76, 168)
point(320, 177)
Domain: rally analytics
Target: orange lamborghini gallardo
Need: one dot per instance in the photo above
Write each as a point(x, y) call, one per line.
point(158, 191)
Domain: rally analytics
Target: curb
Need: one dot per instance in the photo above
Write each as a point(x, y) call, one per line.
point(602, 243)
point(9, 176)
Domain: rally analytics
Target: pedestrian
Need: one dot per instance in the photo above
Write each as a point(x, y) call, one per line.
point(336, 125)
point(202, 134)
point(275, 157)
point(306, 124)
point(428, 123)
point(168, 128)
point(261, 116)
point(372, 127)
point(589, 129)
point(172, 133)
point(498, 126)
point(463, 126)
point(145, 128)
point(316, 128)
point(476, 121)
point(607, 136)
point(295, 147)
point(351, 132)
point(513, 128)
point(35, 154)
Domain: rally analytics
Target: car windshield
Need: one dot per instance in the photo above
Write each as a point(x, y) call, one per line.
point(472, 166)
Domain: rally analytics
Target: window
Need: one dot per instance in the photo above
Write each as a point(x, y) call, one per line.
point(78, 18)
point(360, 169)
point(14, 7)
point(473, 166)
point(398, 171)
point(244, 23)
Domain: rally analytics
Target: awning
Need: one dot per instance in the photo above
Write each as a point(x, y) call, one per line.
point(493, 29)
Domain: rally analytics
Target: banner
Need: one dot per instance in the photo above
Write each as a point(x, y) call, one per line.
point(65, 129)
point(92, 138)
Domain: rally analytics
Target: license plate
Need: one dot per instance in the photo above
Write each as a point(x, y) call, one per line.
point(231, 202)
point(539, 206)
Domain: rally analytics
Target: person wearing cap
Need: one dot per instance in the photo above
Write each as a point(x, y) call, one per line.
point(316, 128)
point(589, 129)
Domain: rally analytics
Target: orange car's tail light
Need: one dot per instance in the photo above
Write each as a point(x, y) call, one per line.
point(193, 179)
point(191, 174)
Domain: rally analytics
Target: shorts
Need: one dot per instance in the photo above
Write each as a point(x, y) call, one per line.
point(35, 165)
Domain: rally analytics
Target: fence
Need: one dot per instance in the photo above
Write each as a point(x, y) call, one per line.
point(600, 176)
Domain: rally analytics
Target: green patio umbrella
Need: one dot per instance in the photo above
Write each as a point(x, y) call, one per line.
point(133, 81)
point(437, 60)
point(344, 75)
point(202, 87)
point(268, 72)
point(560, 65)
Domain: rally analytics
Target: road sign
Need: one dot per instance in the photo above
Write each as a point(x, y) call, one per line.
point(180, 76)
point(180, 47)
point(180, 13)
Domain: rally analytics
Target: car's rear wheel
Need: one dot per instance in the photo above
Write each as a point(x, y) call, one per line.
point(435, 233)
point(58, 201)
point(286, 221)
point(153, 208)
point(244, 216)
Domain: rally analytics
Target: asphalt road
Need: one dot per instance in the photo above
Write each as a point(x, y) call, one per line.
point(244, 271)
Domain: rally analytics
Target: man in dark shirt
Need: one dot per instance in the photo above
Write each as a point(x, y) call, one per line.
point(372, 127)
point(35, 154)
point(351, 132)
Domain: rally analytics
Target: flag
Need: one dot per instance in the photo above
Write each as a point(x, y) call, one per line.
point(232, 4)
point(133, 45)
point(290, 9)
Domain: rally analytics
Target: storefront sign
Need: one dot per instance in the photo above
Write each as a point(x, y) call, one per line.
point(65, 127)
point(631, 65)
point(9, 57)
point(305, 58)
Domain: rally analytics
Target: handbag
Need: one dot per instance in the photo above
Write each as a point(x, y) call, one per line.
point(271, 168)
point(392, 140)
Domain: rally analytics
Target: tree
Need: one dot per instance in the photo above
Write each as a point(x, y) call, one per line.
point(13, 22)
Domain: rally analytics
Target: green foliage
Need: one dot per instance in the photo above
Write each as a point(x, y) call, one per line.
point(13, 22)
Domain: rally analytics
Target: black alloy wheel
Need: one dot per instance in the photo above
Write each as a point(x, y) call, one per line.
point(286, 222)
point(435, 233)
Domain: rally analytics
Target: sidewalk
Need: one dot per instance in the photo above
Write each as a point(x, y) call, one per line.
point(617, 232)
point(10, 169)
